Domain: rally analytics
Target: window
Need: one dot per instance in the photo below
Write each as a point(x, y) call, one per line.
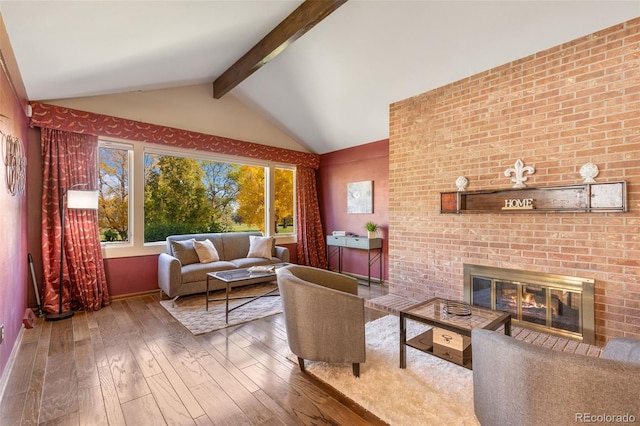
point(284, 203)
point(113, 208)
point(148, 192)
point(189, 194)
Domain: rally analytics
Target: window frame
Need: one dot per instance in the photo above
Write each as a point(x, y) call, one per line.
point(136, 245)
point(106, 143)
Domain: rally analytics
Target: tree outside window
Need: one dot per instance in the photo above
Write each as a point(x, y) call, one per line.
point(284, 201)
point(184, 195)
point(113, 201)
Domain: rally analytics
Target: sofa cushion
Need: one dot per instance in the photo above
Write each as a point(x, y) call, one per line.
point(236, 245)
point(260, 246)
point(185, 252)
point(206, 251)
point(198, 271)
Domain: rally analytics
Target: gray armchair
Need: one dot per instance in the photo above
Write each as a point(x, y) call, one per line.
point(324, 315)
point(518, 383)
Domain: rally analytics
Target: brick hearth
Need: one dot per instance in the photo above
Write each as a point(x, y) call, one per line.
point(393, 303)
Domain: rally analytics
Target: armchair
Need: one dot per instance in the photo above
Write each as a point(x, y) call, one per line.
point(324, 315)
point(518, 383)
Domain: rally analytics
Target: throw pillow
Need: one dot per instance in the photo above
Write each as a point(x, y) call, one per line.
point(185, 252)
point(206, 251)
point(260, 246)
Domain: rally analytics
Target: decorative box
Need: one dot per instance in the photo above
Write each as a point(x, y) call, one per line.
point(453, 355)
point(450, 339)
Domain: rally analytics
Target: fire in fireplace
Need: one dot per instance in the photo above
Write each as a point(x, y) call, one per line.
point(557, 304)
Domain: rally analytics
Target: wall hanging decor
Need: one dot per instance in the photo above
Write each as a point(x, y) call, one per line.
point(587, 197)
point(518, 170)
point(462, 183)
point(15, 163)
point(579, 198)
point(360, 197)
point(588, 172)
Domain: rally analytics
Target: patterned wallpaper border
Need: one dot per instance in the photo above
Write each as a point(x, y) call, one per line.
point(72, 120)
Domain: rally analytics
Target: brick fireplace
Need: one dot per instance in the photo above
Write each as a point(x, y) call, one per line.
point(557, 110)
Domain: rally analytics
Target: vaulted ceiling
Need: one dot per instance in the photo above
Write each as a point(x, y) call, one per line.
point(329, 90)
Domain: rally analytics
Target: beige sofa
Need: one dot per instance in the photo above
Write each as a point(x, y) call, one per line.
point(518, 383)
point(324, 316)
point(180, 272)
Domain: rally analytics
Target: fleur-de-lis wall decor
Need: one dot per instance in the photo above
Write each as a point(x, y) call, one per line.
point(518, 170)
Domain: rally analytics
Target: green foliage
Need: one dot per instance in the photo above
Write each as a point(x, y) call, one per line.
point(221, 184)
point(371, 226)
point(187, 195)
point(160, 232)
point(110, 235)
point(175, 196)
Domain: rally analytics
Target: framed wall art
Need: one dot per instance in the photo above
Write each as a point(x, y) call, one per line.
point(360, 197)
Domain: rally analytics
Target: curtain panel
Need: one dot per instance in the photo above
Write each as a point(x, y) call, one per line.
point(70, 159)
point(311, 244)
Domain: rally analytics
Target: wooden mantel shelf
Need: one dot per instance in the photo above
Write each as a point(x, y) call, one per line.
point(581, 198)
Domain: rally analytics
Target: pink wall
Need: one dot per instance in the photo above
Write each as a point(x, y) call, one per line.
point(130, 275)
point(337, 169)
point(34, 215)
point(127, 275)
point(13, 208)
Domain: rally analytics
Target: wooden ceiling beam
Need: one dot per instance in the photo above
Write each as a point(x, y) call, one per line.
point(294, 26)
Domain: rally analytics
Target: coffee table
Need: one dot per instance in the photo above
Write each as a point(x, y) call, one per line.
point(241, 277)
point(432, 313)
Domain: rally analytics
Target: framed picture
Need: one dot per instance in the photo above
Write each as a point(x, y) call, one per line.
point(360, 197)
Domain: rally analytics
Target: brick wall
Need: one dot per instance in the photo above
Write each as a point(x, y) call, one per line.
point(556, 110)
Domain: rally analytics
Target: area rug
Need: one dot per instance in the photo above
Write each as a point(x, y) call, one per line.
point(190, 311)
point(430, 391)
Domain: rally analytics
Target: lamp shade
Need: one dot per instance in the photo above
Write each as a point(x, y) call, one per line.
point(80, 199)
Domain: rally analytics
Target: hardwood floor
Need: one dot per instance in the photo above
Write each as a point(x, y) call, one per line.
point(133, 364)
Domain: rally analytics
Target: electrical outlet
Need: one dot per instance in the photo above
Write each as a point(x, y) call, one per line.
point(1, 333)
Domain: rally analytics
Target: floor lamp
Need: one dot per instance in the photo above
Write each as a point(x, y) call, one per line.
point(76, 199)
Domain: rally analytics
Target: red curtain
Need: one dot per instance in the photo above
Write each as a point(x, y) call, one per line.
point(70, 159)
point(311, 244)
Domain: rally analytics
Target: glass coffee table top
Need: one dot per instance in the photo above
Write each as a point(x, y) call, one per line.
point(433, 311)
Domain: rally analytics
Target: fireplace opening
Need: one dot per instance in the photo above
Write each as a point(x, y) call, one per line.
point(556, 304)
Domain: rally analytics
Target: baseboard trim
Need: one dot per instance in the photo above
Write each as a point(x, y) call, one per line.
point(132, 295)
point(4, 380)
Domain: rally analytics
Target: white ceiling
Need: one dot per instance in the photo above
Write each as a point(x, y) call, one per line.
point(330, 90)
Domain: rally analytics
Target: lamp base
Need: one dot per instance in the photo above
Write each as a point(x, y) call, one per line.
point(59, 316)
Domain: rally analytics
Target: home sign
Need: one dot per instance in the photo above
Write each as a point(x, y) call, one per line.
point(585, 198)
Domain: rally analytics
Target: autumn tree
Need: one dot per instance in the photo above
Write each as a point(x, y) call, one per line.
point(251, 196)
point(113, 201)
point(283, 197)
point(185, 195)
